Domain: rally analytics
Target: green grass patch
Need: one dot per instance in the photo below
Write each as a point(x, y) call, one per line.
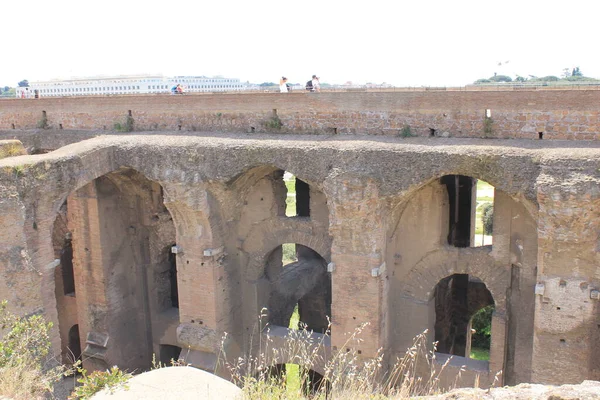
point(292, 371)
point(480, 354)
point(292, 379)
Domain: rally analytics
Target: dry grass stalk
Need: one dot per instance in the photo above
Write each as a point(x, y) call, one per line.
point(346, 373)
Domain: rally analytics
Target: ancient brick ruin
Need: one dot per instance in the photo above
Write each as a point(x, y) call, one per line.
point(149, 242)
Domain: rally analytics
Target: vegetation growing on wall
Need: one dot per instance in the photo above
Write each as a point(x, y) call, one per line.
point(43, 122)
point(488, 126)
point(274, 123)
point(406, 131)
point(125, 127)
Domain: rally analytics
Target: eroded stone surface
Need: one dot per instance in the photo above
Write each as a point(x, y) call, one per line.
point(378, 216)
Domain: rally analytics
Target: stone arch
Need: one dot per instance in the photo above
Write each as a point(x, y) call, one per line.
point(126, 205)
point(399, 202)
point(252, 174)
point(417, 288)
point(264, 238)
point(420, 282)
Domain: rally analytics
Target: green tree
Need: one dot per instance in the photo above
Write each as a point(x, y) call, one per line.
point(501, 78)
point(482, 323)
point(24, 83)
point(266, 84)
point(576, 72)
point(487, 218)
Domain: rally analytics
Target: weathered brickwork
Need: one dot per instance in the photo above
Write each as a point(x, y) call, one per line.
point(557, 114)
point(204, 218)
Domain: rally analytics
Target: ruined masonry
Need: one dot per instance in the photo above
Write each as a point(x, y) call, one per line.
point(144, 225)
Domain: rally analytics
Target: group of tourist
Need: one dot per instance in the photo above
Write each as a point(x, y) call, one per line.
point(312, 85)
point(177, 89)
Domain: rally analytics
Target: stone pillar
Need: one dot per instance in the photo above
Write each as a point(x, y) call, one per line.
point(88, 267)
point(200, 275)
point(357, 227)
point(566, 338)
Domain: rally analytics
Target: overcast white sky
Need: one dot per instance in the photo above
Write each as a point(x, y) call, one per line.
point(406, 43)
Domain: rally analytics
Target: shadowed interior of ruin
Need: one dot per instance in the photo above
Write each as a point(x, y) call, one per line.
point(457, 298)
point(134, 263)
point(460, 198)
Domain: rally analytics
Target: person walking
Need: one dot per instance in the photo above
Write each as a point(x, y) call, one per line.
point(283, 85)
point(316, 85)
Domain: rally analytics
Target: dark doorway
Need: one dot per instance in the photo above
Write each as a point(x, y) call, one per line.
point(457, 299)
point(173, 278)
point(302, 198)
point(74, 343)
point(460, 197)
point(168, 353)
point(66, 262)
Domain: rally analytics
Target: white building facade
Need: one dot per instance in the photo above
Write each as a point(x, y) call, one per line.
point(129, 85)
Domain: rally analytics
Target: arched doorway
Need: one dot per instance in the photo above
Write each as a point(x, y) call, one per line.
point(74, 343)
point(458, 298)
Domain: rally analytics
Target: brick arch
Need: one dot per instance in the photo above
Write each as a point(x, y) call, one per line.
point(252, 174)
point(265, 237)
point(403, 199)
point(420, 282)
point(126, 182)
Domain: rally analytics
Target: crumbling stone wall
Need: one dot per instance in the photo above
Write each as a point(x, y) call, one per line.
point(384, 230)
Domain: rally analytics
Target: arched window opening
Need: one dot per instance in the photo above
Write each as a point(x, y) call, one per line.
point(471, 206)
point(462, 301)
point(301, 288)
point(297, 197)
point(74, 346)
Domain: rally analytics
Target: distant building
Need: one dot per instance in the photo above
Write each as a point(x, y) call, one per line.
point(142, 84)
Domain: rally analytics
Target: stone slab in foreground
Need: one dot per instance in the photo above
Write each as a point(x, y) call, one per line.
point(182, 383)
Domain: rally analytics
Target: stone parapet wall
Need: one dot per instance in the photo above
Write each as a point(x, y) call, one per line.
point(558, 114)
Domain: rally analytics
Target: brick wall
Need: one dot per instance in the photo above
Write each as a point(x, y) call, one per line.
point(559, 114)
